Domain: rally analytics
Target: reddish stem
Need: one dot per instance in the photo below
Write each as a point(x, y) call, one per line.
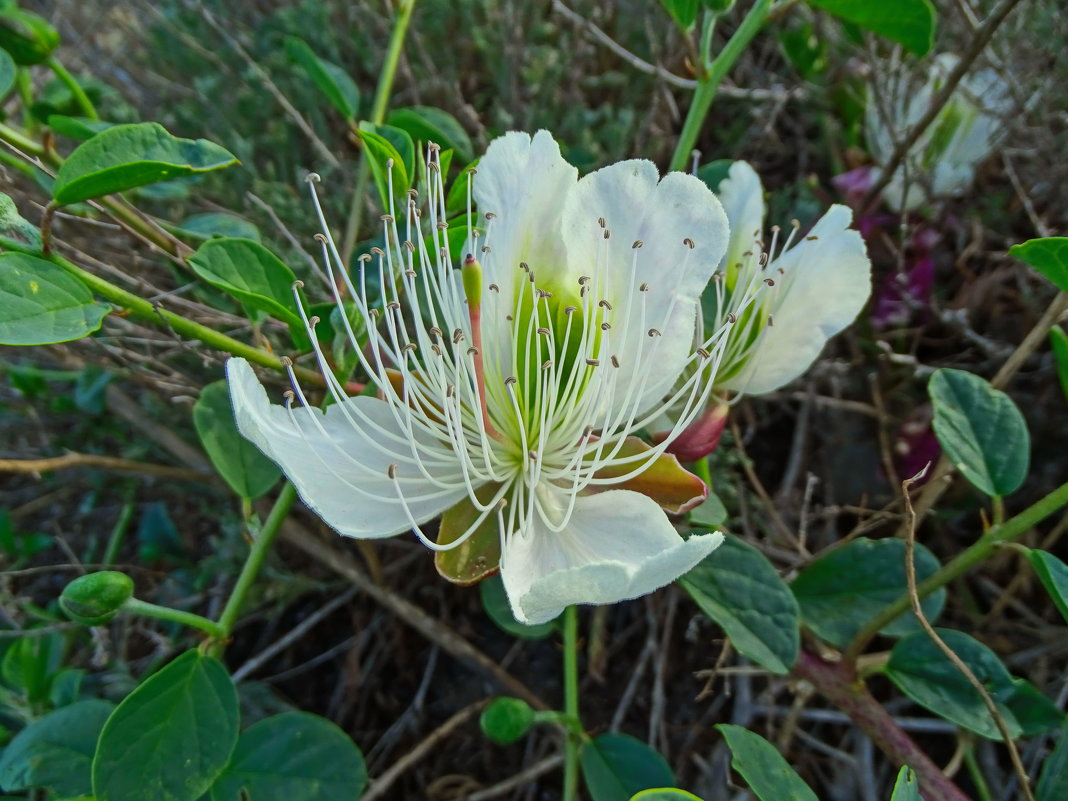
point(839, 686)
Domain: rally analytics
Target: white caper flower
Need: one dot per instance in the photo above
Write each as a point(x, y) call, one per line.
point(512, 387)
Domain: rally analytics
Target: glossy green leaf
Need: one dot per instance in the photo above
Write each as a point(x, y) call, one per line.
point(495, 602)
point(842, 591)
point(981, 431)
point(334, 82)
point(768, 775)
point(293, 756)
point(171, 737)
point(1059, 343)
point(1053, 777)
point(251, 273)
point(714, 172)
point(80, 128)
point(7, 73)
point(616, 766)
point(664, 794)
point(427, 124)
point(684, 12)
point(28, 38)
point(382, 146)
point(737, 587)
point(41, 303)
point(926, 675)
point(1048, 255)
point(910, 23)
point(241, 464)
point(55, 752)
point(127, 156)
point(907, 786)
point(219, 223)
point(1053, 573)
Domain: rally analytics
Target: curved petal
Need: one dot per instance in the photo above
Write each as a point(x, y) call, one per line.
point(521, 181)
point(824, 282)
point(742, 196)
point(619, 545)
point(340, 471)
point(682, 232)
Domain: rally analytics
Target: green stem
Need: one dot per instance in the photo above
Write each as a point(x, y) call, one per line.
point(959, 565)
point(21, 141)
point(571, 703)
point(80, 97)
point(378, 116)
point(260, 547)
point(976, 774)
point(143, 309)
point(709, 82)
point(111, 552)
point(145, 609)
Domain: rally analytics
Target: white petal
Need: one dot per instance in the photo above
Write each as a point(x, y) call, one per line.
point(522, 180)
point(618, 545)
point(825, 283)
point(636, 204)
point(342, 475)
point(742, 196)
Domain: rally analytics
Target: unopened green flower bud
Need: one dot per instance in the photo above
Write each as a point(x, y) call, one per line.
point(28, 38)
point(505, 720)
point(95, 599)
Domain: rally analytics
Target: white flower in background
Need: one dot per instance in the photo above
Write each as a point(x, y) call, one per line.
point(511, 391)
point(819, 284)
point(813, 287)
point(942, 162)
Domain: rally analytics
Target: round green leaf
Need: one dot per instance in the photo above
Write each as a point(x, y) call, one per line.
point(505, 720)
point(251, 273)
point(910, 23)
point(335, 84)
point(843, 590)
point(428, 124)
point(495, 602)
point(926, 675)
point(1053, 573)
point(7, 73)
point(768, 775)
point(248, 472)
point(739, 589)
point(1049, 256)
point(616, 766)
point(293, 756)
point(664, 794)
point(171, 737)
point(55, 752)
point(41, 303)
point(219, 223)
point(981, 431)
point(127, 156)
point(28, 38)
